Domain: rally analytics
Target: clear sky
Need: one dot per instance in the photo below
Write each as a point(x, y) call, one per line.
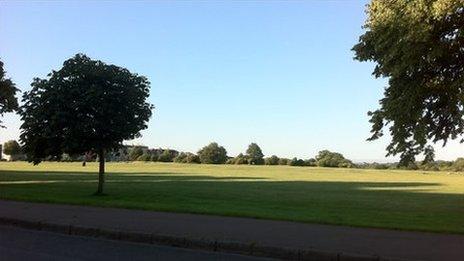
point(279, 73)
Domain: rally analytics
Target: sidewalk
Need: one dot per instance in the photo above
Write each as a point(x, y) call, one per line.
point(252, 236)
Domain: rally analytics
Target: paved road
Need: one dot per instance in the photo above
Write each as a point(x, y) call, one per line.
point(364, 241)
point(20, 244)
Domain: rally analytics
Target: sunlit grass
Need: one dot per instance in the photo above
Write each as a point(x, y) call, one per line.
point(416, 200)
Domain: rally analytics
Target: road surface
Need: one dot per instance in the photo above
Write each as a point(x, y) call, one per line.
point(20, 244)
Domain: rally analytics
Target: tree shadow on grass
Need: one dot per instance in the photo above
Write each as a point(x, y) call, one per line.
point(407, 205)
point(29, 177)
point(179, 178)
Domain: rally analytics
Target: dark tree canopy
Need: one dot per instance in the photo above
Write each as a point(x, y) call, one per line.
point(11, 148)
point(255, 154)
point(213, 154)
point(419, 46)
point(8, 101)
point(85, 106)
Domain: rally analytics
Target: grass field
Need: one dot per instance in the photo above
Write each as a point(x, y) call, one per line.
point(412, 200)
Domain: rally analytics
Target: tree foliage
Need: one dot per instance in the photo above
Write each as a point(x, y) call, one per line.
point(87, 105)
point(458, 165)
point(326, 158)
point(11, 148)
point(419, 46)
point(240, 159)
point(296, 162)
point(144, 157)
point(167, 156)
point(192, 158)
point(255, 155)
point(8, 101)
point(429, 155)
point(272, 160)
point(180, 158)
point(135, 152)
point(187, 157)
point(284, 161)
point(213, 154)
point(311, 162)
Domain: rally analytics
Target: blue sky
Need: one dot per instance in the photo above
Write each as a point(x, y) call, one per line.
point(277, 73)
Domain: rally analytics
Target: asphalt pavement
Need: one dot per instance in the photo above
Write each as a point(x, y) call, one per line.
point(314, 240)
point(18, 244)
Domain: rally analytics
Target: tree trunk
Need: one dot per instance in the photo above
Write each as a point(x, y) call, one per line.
point(101, 171)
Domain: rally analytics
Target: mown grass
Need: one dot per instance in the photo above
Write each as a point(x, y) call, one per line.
point(411, 200)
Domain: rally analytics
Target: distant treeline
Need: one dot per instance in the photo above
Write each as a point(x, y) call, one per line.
point(216, 154)
point(457, 165)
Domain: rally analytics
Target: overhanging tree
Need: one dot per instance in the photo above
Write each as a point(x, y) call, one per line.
point(85, 106)
point(419, 46)
point(8, 101)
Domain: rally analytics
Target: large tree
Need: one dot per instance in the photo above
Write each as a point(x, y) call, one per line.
point(11, 148)
point(87, 105)
point(213, 154)
point(255, 154)
point(419, 46)
point(326, 158)
point(8, 101)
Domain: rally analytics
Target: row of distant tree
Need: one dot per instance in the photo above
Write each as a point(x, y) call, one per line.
point(439, 165)
point(216, 154)
point(213, 153)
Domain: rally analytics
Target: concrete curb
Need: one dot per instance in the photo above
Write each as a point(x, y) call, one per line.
point(194, 243)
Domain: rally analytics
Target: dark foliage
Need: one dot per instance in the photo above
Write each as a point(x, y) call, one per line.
point(254, 154)
point(419, 47)
point(87, 105)
point(8, 101)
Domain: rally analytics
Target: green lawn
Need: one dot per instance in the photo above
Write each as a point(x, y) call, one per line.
point(413, 200)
